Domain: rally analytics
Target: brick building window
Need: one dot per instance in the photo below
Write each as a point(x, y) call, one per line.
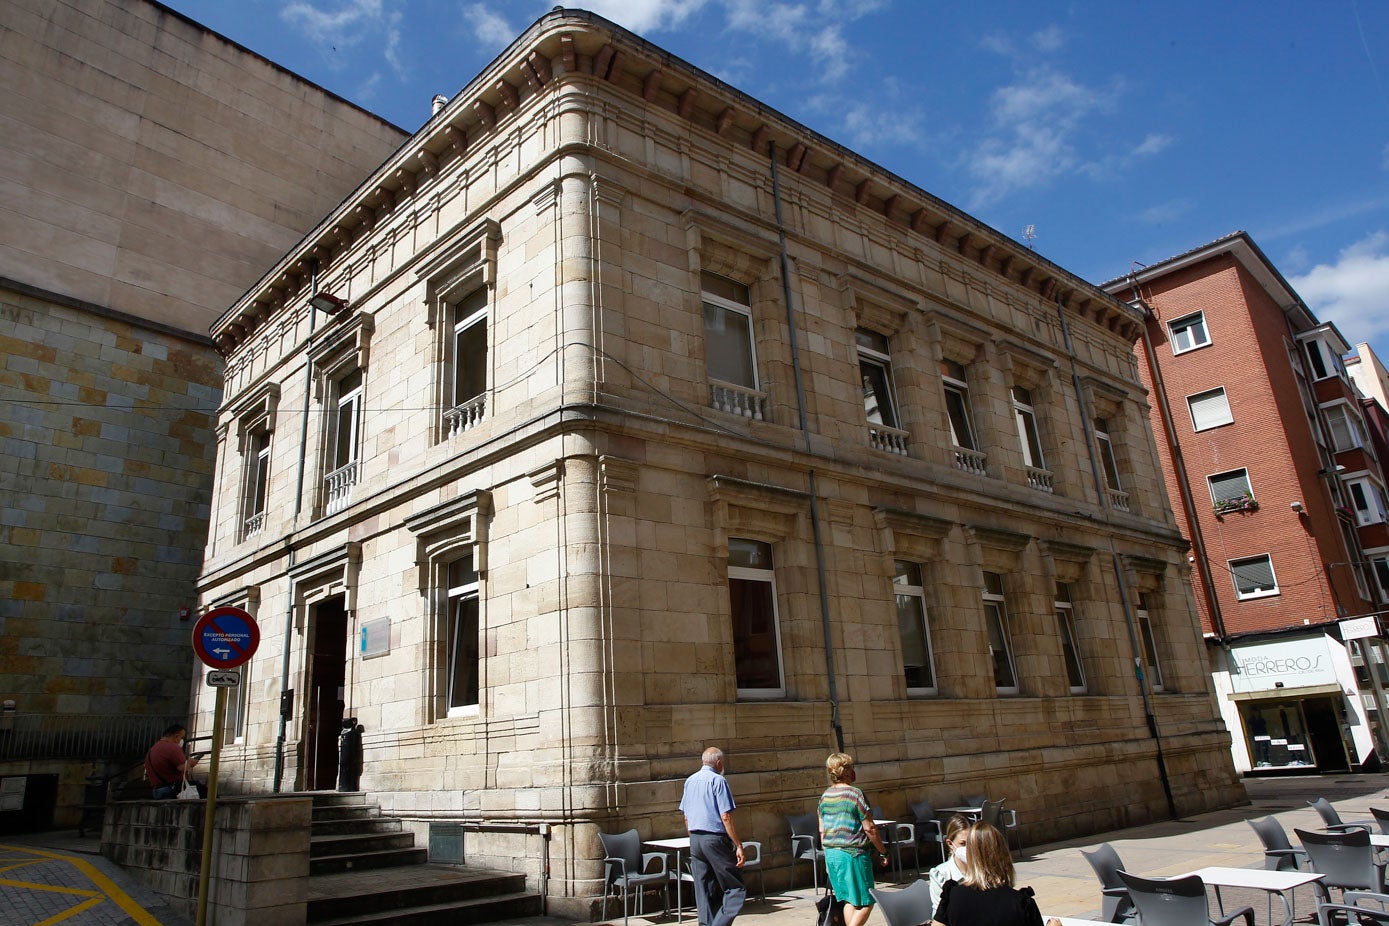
point(730, 352)
point(1209, 409)
point(752, 607)
point(1368, 499)
point(1000, 637)
point(1231, 491)
point(1066, 630)
point(1253, 576)
point(1346, 430)
point(913, 628)
point(1188, 332)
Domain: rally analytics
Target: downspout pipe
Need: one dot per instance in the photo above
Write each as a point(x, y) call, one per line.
point(285, 706)
point(804, 421)
point(1129, 620)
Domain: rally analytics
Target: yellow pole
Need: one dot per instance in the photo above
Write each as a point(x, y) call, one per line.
point(204, 875)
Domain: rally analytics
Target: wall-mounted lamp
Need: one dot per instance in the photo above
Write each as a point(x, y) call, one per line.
point(7, 712)
point(1328, 470)
point(1296, 506)
point(325, 301)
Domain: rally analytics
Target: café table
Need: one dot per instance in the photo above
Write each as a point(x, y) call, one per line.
point(677, 845)
point(886, 827)
point(1281, 883)
point(974, 813)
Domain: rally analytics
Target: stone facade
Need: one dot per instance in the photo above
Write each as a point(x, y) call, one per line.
point(152, 170)
point(606, 448)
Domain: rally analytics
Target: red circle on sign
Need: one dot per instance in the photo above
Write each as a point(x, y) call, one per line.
point(225, 638)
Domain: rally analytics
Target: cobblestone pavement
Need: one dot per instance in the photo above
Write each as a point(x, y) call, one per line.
point(40, 886)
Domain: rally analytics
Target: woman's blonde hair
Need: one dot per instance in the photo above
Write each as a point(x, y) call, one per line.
point(839, 765)
point(988, 863)
point(956, 825)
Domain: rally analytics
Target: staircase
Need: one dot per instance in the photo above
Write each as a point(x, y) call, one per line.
point(364, 868)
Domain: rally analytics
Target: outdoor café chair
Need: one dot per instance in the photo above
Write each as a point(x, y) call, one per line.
point(1006, 821)
point(898, 838)
point(1118, 906)
point(1382, 818)
point(1279, 854)
point(1176, 902)
point(1331, 820)
point(911, 906)
point(1345, 860)
point(928, 828)
point(624, 867)
point(805, 845)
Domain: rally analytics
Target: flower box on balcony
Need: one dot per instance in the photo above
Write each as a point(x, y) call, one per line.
point(1230, 505)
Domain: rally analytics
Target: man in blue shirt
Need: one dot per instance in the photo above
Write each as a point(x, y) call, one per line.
point(716, 852)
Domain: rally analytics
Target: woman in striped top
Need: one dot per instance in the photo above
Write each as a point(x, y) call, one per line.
point(846, 830)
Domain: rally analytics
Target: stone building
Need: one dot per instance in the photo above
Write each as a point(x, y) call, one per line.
point(617, 415)
point(1266, 452)
point(151, 170)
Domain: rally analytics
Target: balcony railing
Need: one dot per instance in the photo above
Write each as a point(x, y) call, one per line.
point(1118, 500)
point(465, 415)
point(253, 525)
point(339, 485)
point(1040, 479)
point(738, 400)
point(893, 440)
point(79, 736)
point(971, 461)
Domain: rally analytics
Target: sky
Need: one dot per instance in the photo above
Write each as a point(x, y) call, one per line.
point(1124, 132)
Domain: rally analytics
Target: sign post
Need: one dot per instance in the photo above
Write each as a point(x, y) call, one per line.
point(223, 638)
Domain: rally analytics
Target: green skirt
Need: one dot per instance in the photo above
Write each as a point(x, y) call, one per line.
point(851, 875)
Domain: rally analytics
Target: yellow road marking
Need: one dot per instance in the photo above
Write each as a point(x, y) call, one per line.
point(51, 888)
point(104, 884)
point(18, 864)
point(67, 914)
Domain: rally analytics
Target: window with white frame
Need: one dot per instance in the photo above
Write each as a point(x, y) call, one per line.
point(1253, 576)
point(467, 361)
point(1000, 637)
point(1209, 409)
point(461, 643)
point(957, 407)
point(752, 607)
point(1109, 465)
point(1188, 332)
point(344, 442)
point(234, 722)
point(1324, 361)
point(257, 488)
point(1152, 668)
point(1066, 630)
point(1347, 433)
point(913, 628)
point(1379, 565)
point(729, 348)
point(1231, 491)
point(1368, 499)
point(879, 394)
point(1029, 439)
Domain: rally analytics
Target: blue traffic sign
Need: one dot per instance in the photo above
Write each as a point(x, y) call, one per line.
point(225, 638)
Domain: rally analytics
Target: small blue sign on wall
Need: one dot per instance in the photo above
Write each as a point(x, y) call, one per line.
point(376, 637)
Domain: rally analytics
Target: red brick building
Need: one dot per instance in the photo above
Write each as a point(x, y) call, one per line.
point(1274, 479)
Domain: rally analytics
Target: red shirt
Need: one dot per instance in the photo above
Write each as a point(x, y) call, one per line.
point(162, 764)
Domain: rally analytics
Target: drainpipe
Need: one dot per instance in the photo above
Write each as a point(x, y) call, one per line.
point(803, 420)
point(1129, 620)
point(286, 696)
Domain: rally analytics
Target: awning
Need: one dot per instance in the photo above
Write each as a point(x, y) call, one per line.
point(1269, 694)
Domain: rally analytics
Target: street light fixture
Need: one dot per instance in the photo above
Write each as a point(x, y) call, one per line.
point(325, 301)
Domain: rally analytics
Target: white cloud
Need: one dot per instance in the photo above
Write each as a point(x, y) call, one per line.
point(1153, 144)
point(1354, 291)
point(1050, 39)
point(489, 27)
point(643, 16)
point(1162, 213)
point(349, 24)
point(801, 27)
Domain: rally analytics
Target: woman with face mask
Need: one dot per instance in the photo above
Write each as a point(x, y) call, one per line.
point(985, 896)
point(950, 869)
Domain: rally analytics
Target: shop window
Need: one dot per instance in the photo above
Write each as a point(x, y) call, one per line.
point(1188, 333)
point(1066, 630)
point(1253, 576)
point(1277, 735)
point(913, 628)
point(752, 607)
point(1209, 409)
point(729, 348)
point(1000, 636)
point(1152, 667)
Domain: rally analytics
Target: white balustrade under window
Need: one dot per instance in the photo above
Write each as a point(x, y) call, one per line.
point(465, 415)
point(339, 484)
point(1040, 479)
point(253, 525)
point(893, 440)
point(1118, 500)
point(971, 461)
point(738, 400)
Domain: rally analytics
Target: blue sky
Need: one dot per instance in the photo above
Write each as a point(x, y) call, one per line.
point(1129, 130)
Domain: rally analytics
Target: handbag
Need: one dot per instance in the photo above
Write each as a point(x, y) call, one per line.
point(189, 792)
point(829, 910)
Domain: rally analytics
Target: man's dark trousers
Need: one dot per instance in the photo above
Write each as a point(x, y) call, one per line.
point(718, 883)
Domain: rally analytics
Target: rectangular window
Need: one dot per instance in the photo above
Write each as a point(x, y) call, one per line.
point(752, 606)
point(1066, 629)
point(913, 629)
point(234, 723)
point(1253, 576)
point(1209, 409)
point(468, 358)
point(1230, 491)
point(1108, 464)
point(957, 404)
point(1152, 668)
point(875, 369)
point(1345, 428)
point(1188, 333)
point(257, 483)
point(1028, 437)
point(345, 442)
point(1368, 499)
point(462, 638)
point(1380, 565)
point(1000, 638)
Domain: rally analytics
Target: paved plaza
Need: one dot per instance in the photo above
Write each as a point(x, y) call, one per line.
point(51, 878)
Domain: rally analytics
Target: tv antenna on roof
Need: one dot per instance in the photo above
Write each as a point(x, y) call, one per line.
point(1030, 233)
